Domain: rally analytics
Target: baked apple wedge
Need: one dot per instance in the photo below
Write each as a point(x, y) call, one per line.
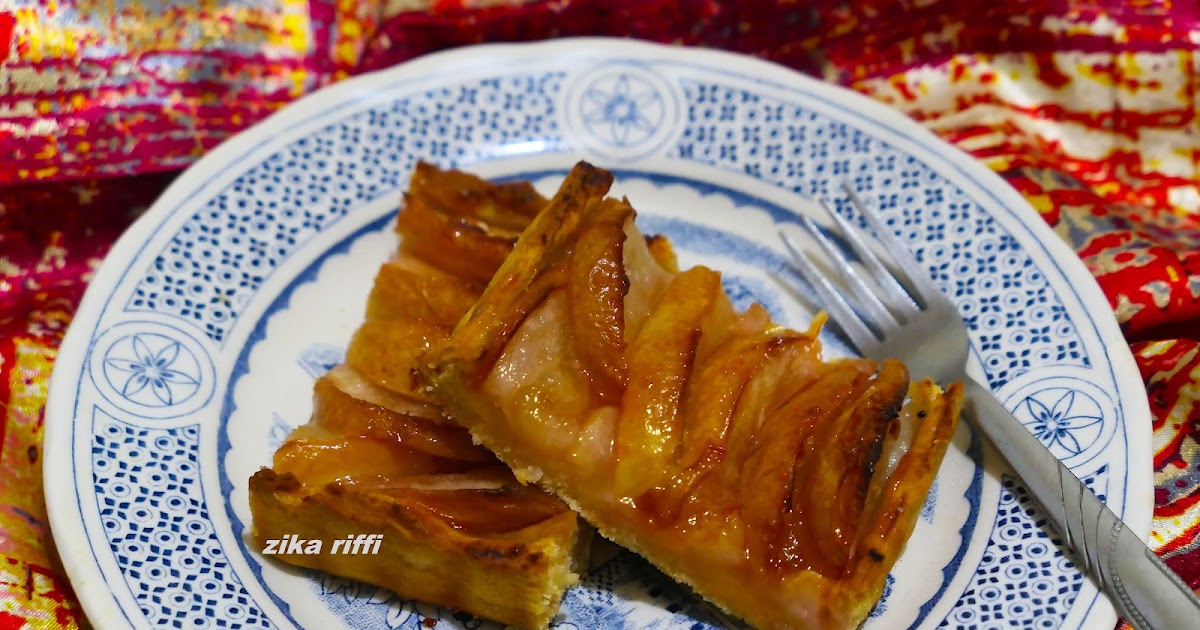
point(720, 446)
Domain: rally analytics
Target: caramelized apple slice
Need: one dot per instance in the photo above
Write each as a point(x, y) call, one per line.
point(828, 459)
point(889, 516)
point(716, 391)
point(505, 205)
point(772, 466)
point(462, 224)
point(385, 351)
point(317, 461)
point(846, 455)
point(488, 510)
point(792, 368)
point(662, 251)
point(514, 291)
point(340, 413)
point(596, 287)
point(460, 246)
point(660, 364)
point(437, 298)
point(354, 385)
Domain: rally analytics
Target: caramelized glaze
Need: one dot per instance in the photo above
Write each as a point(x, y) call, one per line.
point(489, 511)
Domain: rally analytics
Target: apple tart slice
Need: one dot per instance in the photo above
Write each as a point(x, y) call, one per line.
point(720, 446)
point(457, 528)
point(454, 527)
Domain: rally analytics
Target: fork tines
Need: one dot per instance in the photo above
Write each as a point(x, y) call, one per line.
point(881, 310)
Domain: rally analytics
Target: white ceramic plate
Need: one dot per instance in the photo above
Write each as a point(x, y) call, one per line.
point(194, 351)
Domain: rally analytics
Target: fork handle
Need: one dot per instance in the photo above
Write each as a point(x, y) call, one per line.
point(1145, 592)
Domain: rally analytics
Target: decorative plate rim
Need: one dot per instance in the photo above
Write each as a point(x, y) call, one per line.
point(69, 534)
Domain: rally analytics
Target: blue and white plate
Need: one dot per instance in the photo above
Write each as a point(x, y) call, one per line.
point(195, 349)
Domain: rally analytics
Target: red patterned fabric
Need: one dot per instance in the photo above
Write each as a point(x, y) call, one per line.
point(1087, 107)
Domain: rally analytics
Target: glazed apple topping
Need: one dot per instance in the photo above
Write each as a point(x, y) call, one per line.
point(720, 445)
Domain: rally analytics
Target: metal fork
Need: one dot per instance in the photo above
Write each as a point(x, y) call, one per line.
point(920, 326)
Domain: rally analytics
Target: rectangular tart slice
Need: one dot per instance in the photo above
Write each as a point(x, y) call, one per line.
point(376, 457)
point(719, 445)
